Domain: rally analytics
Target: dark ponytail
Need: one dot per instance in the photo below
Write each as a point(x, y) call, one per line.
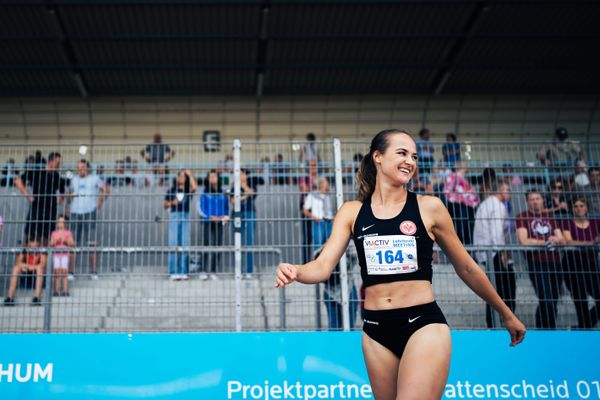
point(366, 176)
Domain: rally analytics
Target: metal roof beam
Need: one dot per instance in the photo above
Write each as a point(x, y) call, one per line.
point(262, 44)
point(67, 48)
point(358, 67)
point(443, 74)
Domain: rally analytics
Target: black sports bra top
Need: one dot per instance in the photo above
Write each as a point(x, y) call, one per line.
point(395, 249)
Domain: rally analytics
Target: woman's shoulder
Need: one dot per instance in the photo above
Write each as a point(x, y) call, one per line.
point(352, 205)
point(429, 203)
point(350, 208)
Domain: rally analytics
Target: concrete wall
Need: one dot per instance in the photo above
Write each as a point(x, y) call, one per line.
point(118, 120)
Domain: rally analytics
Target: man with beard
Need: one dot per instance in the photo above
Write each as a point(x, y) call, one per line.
point(538, 227)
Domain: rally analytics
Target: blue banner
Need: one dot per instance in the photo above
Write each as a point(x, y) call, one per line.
point(272, 366)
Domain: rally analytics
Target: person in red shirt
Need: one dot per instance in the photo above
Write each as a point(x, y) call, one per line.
point(539, 227)
point(581, 266)
point(61, 238)
point(27, 262)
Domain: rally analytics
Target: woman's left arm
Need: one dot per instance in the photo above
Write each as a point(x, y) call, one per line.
point(466, 268)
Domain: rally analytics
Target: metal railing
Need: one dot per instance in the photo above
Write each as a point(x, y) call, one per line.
point(133, 292)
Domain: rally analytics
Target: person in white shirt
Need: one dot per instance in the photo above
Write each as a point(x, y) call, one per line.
point(88, 193)
point(139, 179)
point(318, 207)
point(491, 226)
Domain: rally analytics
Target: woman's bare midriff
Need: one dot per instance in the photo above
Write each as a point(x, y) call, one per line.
point(387, 296)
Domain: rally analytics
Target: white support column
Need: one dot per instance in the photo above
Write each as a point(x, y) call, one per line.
point(339, 196)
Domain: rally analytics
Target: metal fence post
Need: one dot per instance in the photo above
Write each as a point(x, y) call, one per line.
point(237, 234)
point(48, 295)
point(282, 302)
point(339, 196)
point(492, 276)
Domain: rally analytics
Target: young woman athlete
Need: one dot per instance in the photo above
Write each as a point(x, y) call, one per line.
point(406, 340)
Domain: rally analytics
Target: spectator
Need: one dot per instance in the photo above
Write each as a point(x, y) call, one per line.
point(592, 192)
point(29, 163)
point(451, 150)
point(581, 266)
point(127, 162)
point(356, 160)
point(280, 171)
point(139, 179)
point(44, 183)
point(100, 172)
point(306, 184)
point(538, 227)
point(264, 170)
point(119, 178)
point(9, 174)
point(512, 178)
point(310, 150)
point(561, 151)
point(425, 149)
point(556, 201)
point(461, 201)
point(318, 207)
point(581, 177)
point(255, 177)
point(248, 217)
point(158, 154)
point(87, 195)
point(349, 169)
point(214, 210)
point(569, 190)
point(178, 200)
point(28, 263)
point(60, 239)
point(489, 181)
point(39, 161)
point(491, 223)
point(225, 170)
point(512, 229)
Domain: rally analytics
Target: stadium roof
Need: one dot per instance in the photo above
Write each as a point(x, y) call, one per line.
point(279, 47)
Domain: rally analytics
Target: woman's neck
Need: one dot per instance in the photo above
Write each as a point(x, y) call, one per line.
point(385, 194)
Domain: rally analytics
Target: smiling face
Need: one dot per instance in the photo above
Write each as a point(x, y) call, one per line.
point(398, 163)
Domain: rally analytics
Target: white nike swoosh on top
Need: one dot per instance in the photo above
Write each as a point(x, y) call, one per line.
point(410, 320)
point(364, 228)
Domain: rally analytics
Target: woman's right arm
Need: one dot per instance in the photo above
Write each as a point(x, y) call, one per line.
point(318, 270)
point(569, 239)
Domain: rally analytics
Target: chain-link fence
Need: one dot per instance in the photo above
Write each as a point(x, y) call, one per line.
point(186, 237)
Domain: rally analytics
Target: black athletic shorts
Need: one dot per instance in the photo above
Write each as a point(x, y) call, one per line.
point(393, 328)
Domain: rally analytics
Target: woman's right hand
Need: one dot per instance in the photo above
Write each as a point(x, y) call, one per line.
point(285, 274)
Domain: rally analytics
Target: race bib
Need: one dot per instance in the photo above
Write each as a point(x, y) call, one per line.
point(392, 254)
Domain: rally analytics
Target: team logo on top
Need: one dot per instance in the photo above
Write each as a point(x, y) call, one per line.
point(541, 227)
point(408, 227)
